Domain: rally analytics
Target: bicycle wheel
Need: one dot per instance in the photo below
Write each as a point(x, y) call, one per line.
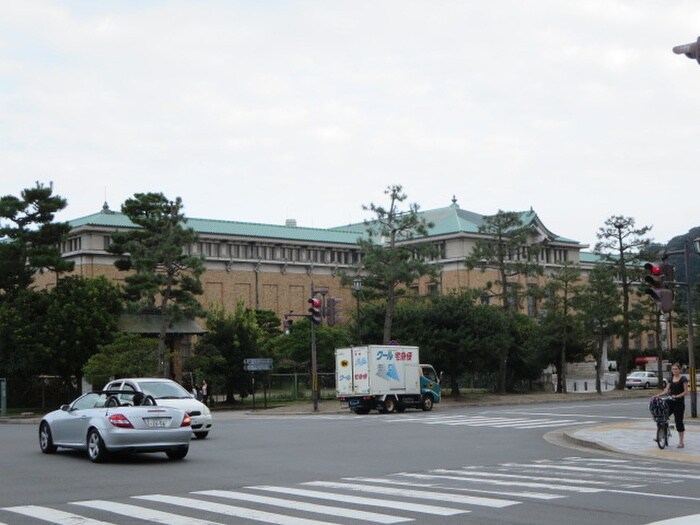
point(662, 435)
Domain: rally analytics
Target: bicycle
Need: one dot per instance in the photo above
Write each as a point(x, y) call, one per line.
point(660, 411)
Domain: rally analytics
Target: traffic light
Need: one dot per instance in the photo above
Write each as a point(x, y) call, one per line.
point(691, 50)
point(654, 276)
point(659, 277)
point(315, 311)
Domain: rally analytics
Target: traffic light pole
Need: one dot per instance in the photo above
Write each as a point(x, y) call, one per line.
point(314, 369)
point(314, 364)
point(691, 335)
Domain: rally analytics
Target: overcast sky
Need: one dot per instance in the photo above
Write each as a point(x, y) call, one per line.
point(261, 111)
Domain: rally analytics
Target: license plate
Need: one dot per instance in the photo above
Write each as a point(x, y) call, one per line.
point(157, 422)
point(344, 404)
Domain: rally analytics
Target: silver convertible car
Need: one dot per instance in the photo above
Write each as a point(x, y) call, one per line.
point(105, 422)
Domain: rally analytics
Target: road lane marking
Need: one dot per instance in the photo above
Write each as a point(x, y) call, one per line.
point(143, 513)
point(682, 520)
point(502, 483)
point(557, 480)
point(232, 510)
point(308, 507)
point(54, 516)
point(407, 493)
point(360, 500)
point(491, 492)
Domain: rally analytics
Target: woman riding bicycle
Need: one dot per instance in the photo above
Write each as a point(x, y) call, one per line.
point(677, 388)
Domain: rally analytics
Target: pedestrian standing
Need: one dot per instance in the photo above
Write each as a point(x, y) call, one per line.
point(677, 388)
point(205, 392)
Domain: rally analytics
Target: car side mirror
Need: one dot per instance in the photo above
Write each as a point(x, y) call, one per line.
point(65, 408)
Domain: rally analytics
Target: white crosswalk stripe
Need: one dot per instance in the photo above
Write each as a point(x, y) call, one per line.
point(277, 502)
point(408, 496)
point(391, 491)
point(54, 516)
point(491, 422)
point(360, 500)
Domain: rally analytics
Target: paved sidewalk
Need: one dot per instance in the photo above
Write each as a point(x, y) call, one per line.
point(637, 438)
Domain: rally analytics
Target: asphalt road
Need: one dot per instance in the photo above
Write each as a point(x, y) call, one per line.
point(454, 465)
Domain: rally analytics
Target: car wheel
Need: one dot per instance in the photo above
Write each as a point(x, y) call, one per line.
point(389, 405)
point(201, 435)
point(178, 453)
point(97, 452)
point(427, 404)
point(45, 439)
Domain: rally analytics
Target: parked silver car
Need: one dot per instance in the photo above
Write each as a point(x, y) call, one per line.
point(167, 392)
point(105, 422)
point(641, 379)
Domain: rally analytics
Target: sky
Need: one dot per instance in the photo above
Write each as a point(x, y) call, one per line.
point(263, 111)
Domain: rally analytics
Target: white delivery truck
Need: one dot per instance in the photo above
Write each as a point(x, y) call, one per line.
point(386, 377)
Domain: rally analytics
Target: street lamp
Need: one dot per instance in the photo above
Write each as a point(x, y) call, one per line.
point(357, 287)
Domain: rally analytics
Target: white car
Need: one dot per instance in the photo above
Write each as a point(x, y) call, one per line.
point(642, 379)
point(168, 393)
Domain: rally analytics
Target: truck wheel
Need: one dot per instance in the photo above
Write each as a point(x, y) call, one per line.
point(427, 404)
point(389, 405)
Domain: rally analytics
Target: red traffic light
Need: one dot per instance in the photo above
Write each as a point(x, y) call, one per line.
point(315, 311)
point(655, 276)
point(655, 270)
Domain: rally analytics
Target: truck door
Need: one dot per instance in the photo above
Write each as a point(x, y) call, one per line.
point(429, 382)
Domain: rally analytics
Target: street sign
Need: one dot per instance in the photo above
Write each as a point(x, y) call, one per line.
point(257, 364)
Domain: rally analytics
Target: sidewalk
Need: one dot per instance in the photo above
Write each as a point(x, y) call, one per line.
point(637, 438)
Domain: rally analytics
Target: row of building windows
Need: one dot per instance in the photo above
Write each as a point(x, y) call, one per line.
point(272, 252)
point(541, 255)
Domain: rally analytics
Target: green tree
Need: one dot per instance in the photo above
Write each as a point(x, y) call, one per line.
point(392, 253)
point(234, 336)
point(598, 308)
point(29, 239)
point(127, 355)
point(293, 351)
point(622, 245)
point(82, 315)
point(23, 351)
point(506, 248)
point(562, 288)
point(165, 277)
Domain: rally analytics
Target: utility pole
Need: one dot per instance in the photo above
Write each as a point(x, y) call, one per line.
point(691, 334)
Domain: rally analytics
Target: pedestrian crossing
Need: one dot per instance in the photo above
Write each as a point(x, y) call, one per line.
point(490, 421)
point(401, 497)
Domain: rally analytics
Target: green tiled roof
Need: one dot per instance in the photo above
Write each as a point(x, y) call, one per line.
point(446, 221)
point(242, 229)
point(453, 219)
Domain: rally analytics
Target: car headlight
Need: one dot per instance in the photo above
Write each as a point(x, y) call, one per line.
point(206, 411)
